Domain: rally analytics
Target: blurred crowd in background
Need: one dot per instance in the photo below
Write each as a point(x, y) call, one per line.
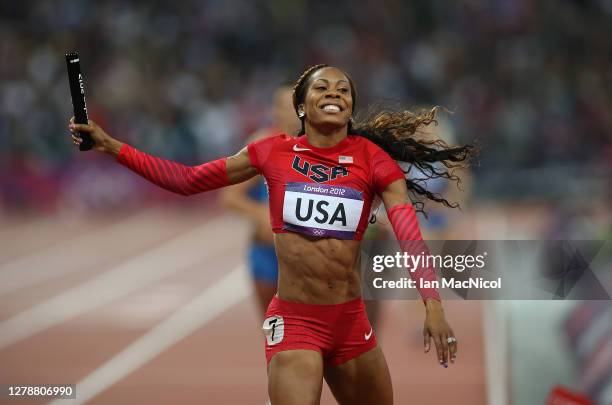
point(531, 81)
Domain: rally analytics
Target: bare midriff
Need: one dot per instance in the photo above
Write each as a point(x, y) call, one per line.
point(317, 271)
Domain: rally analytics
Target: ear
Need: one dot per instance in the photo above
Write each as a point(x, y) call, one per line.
point(301, 112)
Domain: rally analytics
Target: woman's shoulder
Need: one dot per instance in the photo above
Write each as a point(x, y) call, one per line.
point(270, 138)
point(266, 133)
point(270, 142)
point(365, 144)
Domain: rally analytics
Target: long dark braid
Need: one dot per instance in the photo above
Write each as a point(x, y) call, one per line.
point(395, 132)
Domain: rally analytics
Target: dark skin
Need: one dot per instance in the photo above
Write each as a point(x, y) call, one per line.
point(322, 271)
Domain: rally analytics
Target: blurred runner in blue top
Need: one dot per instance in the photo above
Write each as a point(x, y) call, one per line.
point(251, 199)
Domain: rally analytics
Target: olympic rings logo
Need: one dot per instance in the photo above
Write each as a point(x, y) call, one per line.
point(318, 232)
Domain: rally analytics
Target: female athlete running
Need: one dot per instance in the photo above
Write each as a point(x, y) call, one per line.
point(321, 188)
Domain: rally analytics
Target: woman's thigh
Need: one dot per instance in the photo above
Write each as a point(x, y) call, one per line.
point(295, 377)
point(364, 380)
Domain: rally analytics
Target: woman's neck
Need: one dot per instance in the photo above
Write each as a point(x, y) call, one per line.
point(325, 138)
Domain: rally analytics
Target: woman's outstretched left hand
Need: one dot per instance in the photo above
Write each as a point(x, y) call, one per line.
point(437, 329)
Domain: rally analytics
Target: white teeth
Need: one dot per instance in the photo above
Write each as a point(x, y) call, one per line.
point(331, 107)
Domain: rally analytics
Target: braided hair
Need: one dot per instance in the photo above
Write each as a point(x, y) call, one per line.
point(395, 132)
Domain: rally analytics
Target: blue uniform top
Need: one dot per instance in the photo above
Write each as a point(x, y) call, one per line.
point(259, 192)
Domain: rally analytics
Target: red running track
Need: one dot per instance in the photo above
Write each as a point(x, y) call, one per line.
point(122, 307)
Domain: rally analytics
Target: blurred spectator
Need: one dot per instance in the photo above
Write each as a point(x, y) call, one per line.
point(188, 80)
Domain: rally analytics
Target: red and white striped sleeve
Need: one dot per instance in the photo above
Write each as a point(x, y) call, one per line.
point(172, 176)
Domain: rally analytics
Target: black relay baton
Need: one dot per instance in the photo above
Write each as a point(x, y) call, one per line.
point(77, 91)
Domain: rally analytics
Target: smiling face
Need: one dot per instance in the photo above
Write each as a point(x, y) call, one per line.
point(328, 103)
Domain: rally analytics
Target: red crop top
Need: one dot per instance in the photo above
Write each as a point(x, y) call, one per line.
point(322, 192)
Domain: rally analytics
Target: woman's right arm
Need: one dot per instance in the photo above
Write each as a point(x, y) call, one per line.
point(172, 176)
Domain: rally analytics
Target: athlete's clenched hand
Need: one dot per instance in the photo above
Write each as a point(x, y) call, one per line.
point(103, 142)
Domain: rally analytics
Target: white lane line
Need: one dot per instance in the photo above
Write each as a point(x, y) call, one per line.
point(494, 317)
point(70, 255)
point(170, 257)
point(204, 308)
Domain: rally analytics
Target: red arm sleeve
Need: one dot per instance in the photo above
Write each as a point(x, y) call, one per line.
point(172, 176)
point(406, 227)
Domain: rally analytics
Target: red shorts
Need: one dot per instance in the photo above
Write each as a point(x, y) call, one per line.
point(340, 332)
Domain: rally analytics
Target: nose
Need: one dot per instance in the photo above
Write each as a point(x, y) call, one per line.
point(332, 94)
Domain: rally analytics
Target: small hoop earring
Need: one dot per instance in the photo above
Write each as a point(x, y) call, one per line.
point(301, 114)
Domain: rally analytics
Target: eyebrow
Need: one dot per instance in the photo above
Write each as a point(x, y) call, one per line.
point(327, 81)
